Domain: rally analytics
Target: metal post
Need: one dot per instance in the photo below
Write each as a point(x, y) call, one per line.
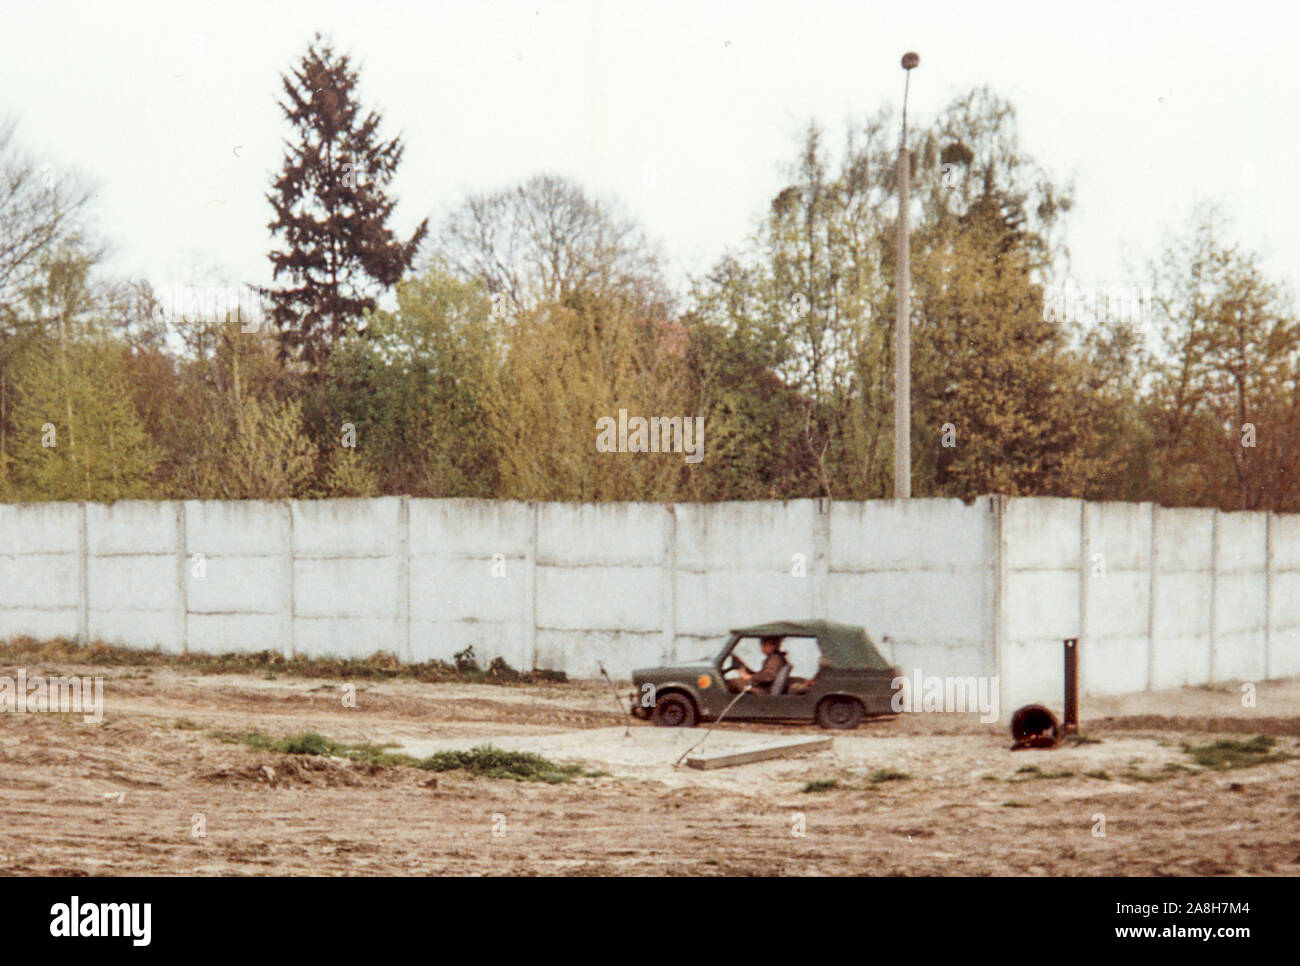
point(1071, 725)
point(902, 322)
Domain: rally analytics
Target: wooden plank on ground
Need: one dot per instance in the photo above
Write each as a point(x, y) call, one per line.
point(783, 749)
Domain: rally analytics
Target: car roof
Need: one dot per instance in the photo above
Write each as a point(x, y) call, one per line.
point(843, 645)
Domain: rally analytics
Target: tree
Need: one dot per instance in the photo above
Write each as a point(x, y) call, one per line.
point(39, 212)
point(332, 210)
point(999, 405)
point(1225, 400)
point(546, 241)
point(413, 387)
point(77, 435)
point(74, 432)
point(567, 367)
point(817, 291)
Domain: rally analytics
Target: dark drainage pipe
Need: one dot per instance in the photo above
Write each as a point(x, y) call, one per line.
point(1033, 726)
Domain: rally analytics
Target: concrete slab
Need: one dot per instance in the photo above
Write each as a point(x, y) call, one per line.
point(771, 749)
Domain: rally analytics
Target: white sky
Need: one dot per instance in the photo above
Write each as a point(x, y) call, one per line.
point(685, 112)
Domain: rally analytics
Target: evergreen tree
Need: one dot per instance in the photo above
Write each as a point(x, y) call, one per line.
point(332, 210)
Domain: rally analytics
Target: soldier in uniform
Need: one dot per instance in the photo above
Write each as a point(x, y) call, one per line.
point(773, 661)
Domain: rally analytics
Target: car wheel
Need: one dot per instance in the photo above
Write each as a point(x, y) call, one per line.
point(674, 711)
point(841, 713)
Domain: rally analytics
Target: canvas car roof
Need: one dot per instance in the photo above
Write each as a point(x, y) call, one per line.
point(843, 645)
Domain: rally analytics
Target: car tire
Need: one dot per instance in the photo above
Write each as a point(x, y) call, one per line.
point(674, 711)
point(843, 714)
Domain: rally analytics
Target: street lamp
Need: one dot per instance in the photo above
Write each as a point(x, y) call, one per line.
point(902, 323)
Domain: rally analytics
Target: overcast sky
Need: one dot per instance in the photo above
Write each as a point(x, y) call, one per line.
point(685, 112)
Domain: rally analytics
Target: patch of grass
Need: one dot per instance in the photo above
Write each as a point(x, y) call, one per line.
point(1015, 804)
point(495, 763)
point(889, 775)
point(1170, 770)
point(482, 760)
point(1033, 772)
point(1099, 774)
point(822, 785)
point(1078, 739)
point(380, 666)
point(310, 743)
point(1234, 753)
point(185, 724)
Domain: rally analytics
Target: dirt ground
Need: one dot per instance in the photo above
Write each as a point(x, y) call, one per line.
point(129, 795)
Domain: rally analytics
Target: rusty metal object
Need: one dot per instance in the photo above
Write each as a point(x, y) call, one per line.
point(1033, 726)
point(1071, 725)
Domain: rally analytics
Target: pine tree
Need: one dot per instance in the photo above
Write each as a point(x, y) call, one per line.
point(332, 210)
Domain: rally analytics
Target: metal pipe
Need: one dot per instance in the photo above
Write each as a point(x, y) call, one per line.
point(1071, 724)
point(902, 320)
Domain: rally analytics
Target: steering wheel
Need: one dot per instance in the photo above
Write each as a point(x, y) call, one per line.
point(736, 665)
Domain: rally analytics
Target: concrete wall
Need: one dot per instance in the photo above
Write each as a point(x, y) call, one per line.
point(1158, 597)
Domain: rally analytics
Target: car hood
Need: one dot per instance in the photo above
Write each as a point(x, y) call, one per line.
point(664, 671)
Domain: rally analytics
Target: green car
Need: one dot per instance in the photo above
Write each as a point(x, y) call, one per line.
point(828, 673)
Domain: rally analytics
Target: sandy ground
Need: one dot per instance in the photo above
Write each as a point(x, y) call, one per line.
point(129, 795)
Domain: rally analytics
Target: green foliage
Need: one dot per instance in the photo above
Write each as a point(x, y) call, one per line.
point(413, 385)
point(77, 435)
point(311, 743)
point(259, 450)
point(547, 311)
point(492, 762)
point(821, 785)
point(1235, 753)
point(380, 666)
point(349, 475)
point(889, 775)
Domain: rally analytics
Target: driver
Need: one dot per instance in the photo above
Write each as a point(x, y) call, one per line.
point(761, 680)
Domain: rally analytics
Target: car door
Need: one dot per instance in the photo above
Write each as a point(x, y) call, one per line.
point(804, 656)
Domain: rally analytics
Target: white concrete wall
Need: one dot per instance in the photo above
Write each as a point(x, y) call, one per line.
point(917, 574)
point(1116, 605)
point(238, 578)
point(602, 586)
point(1158, 597)
point(1183, 597)
point(134, 573)
point(42, 550)
point(470, 580)
point(349, 588)
point(1042, 559)
point(1284, 596)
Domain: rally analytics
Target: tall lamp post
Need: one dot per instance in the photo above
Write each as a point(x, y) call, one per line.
point(902, 323)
